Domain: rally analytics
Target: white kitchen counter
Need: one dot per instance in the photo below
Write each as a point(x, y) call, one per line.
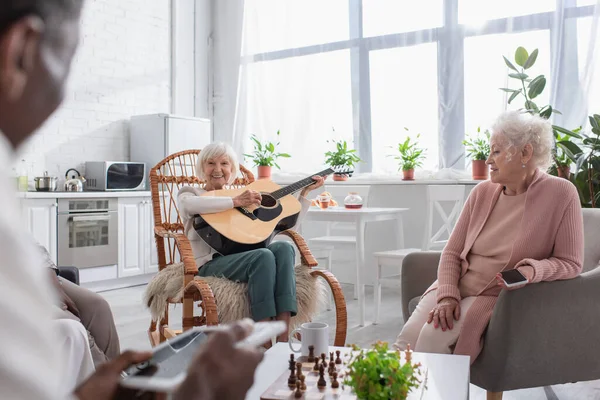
point(82, 195)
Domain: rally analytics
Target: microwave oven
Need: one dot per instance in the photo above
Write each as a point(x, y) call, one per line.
point(115, 175)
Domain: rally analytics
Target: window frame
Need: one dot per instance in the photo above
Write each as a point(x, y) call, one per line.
point(450, 39)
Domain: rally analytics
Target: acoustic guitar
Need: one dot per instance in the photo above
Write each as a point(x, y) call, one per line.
point(247, 228)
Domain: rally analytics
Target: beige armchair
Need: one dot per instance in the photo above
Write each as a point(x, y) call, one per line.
point(544, 334)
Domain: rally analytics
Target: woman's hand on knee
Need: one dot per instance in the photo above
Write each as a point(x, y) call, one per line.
point(444, 313)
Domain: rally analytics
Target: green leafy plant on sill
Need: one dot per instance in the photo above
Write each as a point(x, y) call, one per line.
point(379, 373)
point(264, 154)
point(342, 156)
point(411, 156)
point(478, 146)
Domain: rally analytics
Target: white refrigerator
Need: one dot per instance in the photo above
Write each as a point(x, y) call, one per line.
point(153, 137)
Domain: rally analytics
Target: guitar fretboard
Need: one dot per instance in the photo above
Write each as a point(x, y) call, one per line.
point(294, 187)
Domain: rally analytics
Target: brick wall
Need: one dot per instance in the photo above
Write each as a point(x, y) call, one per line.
point(122, 69)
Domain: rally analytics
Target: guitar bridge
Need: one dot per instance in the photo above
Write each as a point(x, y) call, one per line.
point(247, 213)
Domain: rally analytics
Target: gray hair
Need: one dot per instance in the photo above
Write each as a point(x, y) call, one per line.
point(521, 129)
point(215, 150)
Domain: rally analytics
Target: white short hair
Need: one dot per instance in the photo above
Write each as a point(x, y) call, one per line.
point(521, 129)
point(216, 150)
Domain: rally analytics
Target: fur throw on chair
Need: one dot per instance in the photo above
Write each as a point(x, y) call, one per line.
point(232, 297)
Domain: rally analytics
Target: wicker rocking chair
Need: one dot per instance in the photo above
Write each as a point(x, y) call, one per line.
point(166, 178)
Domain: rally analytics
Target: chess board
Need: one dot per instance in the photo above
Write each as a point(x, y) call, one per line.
point(280, 389)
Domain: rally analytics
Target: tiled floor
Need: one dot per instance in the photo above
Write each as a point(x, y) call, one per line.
point(132, 320)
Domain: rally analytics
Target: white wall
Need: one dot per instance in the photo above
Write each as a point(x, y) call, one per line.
point(122, 68)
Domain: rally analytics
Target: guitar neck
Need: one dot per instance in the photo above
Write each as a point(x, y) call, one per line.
point(294, 187)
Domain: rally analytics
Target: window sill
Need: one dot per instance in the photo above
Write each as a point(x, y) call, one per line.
point(455, 178)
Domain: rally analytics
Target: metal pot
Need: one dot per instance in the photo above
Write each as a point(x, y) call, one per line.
point(74, 184)
point(45, 183)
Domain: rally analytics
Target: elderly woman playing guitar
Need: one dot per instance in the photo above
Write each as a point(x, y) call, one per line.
point(268, 271)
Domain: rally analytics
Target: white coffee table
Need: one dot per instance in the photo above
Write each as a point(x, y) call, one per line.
point(447, 375)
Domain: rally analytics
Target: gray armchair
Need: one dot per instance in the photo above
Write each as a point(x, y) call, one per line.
point(543, 334)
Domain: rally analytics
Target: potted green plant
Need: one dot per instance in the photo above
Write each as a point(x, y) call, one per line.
point(478, 150)
point(341, 157)
point(265, 157)
point(530, 88)
point(379, 373)
point(587, 173)
point(566, 153)
point(410, 157)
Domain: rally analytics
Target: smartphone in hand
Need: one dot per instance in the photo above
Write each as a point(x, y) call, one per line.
point(513, 278)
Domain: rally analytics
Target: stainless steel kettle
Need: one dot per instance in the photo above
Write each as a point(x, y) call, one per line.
point(74, 184)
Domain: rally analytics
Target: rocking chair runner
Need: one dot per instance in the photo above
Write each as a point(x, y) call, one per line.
point(166, 178)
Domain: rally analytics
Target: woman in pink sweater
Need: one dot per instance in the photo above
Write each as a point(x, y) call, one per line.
point(521, 218)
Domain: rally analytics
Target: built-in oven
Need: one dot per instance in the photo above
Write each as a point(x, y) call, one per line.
point(87, 232)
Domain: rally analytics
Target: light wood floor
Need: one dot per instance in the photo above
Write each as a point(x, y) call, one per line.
point(132, 320)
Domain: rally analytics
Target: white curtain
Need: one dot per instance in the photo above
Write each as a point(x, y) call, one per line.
point(372, 72)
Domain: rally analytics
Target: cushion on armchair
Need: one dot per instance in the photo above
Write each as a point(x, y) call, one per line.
point(232, 297)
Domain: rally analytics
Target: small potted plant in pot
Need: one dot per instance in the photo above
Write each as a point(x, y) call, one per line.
point(342, 157)
point(379, 373)
point(410, 157)
point(265, 157)
point(478, 150)
point(566, 154)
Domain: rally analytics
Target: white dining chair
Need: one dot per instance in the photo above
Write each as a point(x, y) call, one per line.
point(436, 196)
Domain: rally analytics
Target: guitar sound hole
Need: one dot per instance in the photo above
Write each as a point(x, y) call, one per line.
point(268, 201)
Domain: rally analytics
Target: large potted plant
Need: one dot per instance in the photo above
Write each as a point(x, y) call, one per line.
point(531, 88)
point(265, 156)
point(587, 173)
point(379, 373)
point(410, 157)
point(342, 158)
point(478, 150)
point(585, 153)
point(566, 153)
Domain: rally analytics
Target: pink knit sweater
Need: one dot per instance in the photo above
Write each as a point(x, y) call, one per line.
point(549, 246)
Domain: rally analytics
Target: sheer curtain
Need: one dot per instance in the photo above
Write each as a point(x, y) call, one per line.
point(372, 72)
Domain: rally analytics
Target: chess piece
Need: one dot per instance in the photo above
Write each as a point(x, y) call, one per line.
point(338, 360)
point(298, 392)
point(303, 385)
point(321, 384)
point(331, 368)
point(299, 373)
point(292, 368)
point(408, 354)
point(311, 353)
point(331, 356)
point(316, 367)
point(323, 358)
point(335, 384)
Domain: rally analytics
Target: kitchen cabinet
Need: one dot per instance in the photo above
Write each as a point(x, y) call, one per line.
point(40, 219)
point(137, 252)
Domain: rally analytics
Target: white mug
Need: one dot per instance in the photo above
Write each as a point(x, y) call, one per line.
point(313, 334)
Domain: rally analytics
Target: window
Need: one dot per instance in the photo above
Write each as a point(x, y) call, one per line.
point(324, 80)
point(383, 17)
point(404, 95)
point(585, 47)
point(310, 66)
point(485, 75)
point(476, 12)
point(279, 25)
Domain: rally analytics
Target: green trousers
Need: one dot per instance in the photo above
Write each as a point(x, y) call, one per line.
point(269, 273)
